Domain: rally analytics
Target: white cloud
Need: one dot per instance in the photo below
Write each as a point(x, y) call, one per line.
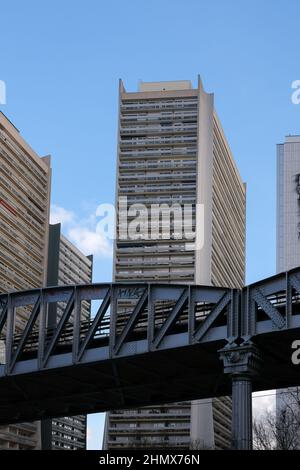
point(61, 215)
point(264, 401)
point(85, 233)
point(89, 241)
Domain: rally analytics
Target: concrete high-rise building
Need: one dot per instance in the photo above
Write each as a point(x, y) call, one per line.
point(288, 204)
point(172, 150)
point(67, 265)
point(24, 220)
point(288, 218)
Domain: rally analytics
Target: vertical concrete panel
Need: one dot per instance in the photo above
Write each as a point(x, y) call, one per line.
point(204, 182)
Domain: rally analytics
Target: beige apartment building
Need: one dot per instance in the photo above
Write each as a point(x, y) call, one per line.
point(172, 150)
point(288, 223)
point(24, 215)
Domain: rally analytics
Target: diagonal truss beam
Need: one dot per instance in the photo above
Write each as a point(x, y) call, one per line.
point(214, 314)
point(28, 329)
point(96, 322)
point(3, 314)
point(60, 326)
point(295, 283)
point(268, 308)
point(131, 322)
point(171, 319)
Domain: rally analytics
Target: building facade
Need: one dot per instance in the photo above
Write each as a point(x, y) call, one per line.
point(288, 204)
point(172, 151)
point(24, 215)
point(288, 219)
point(67, 265)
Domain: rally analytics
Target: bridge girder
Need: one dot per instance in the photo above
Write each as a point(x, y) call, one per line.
point(144, 344)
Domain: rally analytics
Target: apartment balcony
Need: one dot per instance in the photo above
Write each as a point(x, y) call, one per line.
point(11, 235)
point(182, 442)
point(154, 165)
point(74, 423)
point(15, 149)
point(13, 251)
point(159, 117)
point(25, 187)
point(16, 266)
point(160, 182)
point(151, 418)
point(16, 203)
point(158, 130)
point(167, 152)
point(146, 193)
point(19, 227)
point(149, 176)
point(157, 186)
point(150, 262)
point(148, 252)
point(153, 198)
point(158, 160)
point(31, 427)
point(161, 127)
point(19, 440)
point(158, 275)
point(61, 442)
point(17, 277)
point(154, 234)
point(159, 142)
point(58, 431)
point(151, 430)
point(182, 164)
point(158, 106)
point(18, 170)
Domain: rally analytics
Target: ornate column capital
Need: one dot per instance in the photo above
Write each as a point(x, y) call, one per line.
point(243, 360)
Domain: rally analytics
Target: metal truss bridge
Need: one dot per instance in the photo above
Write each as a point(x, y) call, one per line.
point(146, 344)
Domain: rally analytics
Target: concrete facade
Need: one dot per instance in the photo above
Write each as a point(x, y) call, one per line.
point(288, 219)
point(24, 214)
point(172, 150)
point(288, 204)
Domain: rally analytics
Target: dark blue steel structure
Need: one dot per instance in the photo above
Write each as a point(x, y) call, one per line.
point(147, 344)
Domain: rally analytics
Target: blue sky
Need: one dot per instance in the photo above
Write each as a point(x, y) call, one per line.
point(61, 61)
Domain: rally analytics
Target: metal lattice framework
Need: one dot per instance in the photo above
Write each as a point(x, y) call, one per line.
point(144, 344)
point(127, 313)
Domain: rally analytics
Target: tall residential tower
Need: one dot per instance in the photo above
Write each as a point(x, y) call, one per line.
point(288, 204)
point(24, 220)
point(172, 150)
point(288, 217)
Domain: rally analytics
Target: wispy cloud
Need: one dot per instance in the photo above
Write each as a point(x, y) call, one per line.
point(85, 232)
point(264, 401)
point(90, 241)
point(60, 215)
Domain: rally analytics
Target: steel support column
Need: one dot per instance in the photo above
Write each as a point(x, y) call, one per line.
point(242, 363)
point(241, 412)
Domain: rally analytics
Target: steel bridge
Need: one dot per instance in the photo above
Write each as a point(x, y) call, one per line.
point(146, 344)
